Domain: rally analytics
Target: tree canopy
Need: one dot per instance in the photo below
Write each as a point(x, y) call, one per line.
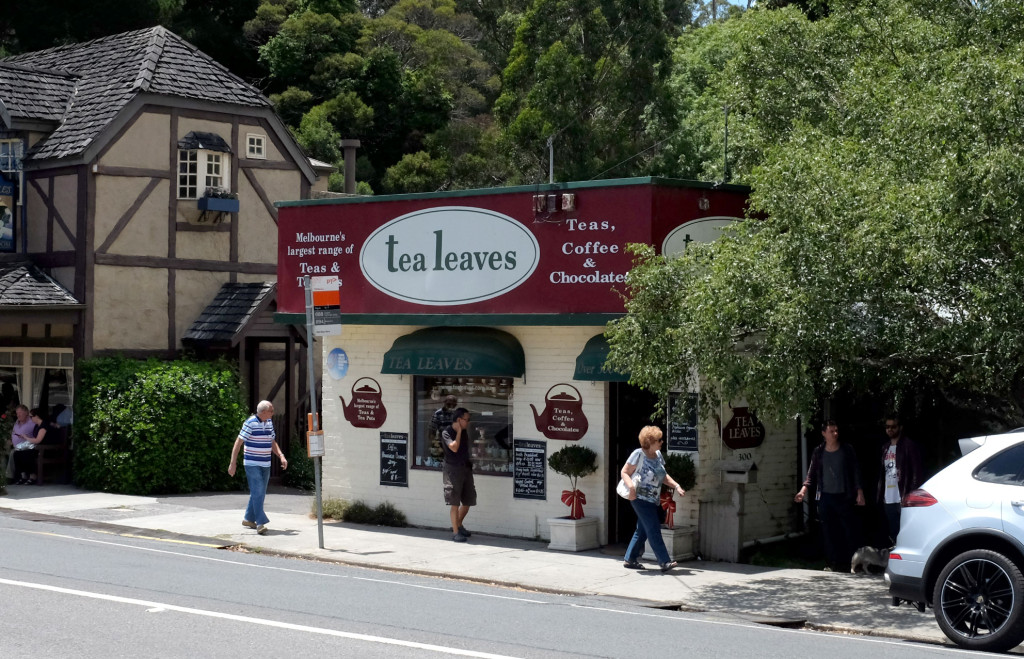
point(884, 249)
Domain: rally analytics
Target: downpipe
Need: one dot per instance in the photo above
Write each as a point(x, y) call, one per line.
point(760, 542)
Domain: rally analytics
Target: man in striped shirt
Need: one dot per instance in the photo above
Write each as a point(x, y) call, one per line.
point(258, 437)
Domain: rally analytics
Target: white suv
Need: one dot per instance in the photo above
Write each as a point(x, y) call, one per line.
point(960, 548)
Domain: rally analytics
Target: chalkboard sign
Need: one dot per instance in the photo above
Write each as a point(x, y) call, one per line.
point(682, 424)
point(394, 458)
point(529, 469)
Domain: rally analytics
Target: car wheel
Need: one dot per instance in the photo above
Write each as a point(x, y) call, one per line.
point(979, 601)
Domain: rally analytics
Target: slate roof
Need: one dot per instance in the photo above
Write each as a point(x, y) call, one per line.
point(22, 283)
point(110, 72)
point(31, 93)
point(234, 307)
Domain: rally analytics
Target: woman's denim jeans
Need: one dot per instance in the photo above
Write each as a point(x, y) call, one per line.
point(648, 529)
point(258, 478)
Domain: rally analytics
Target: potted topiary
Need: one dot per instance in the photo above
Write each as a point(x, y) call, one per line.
point(682, 470)
point(573, 532)
point(678, 540)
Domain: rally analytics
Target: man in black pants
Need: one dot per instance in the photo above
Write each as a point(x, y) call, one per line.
point(835, 477)
point(459, 489)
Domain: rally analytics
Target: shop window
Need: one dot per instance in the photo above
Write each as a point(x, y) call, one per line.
point(37, 378)
point(11, 380)
point(489, 401)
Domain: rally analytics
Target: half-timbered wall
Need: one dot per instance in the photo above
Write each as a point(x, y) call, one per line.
point(156, 269)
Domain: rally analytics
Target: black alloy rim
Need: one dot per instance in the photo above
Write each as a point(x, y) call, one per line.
point(977, 598)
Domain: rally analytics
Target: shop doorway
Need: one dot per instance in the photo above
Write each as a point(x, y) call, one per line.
point(630, 410)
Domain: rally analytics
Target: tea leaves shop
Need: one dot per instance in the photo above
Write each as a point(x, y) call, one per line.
point(499, 297)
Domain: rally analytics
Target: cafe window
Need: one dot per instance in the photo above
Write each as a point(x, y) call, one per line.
point(41, 378)
point(489, 401)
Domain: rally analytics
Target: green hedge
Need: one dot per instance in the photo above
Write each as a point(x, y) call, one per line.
point(156, 427)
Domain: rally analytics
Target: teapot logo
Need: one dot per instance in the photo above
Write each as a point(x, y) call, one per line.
point(366, 409)
point(744, 431)
point(563, 416)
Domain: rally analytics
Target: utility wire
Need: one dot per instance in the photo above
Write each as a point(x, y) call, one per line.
point(635, 155)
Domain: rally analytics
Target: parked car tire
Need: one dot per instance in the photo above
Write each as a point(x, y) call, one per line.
point(979, 601)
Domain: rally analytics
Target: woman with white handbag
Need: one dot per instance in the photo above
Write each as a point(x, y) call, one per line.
point(642, 476)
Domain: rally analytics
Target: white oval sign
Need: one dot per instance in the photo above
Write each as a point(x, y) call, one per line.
point(704, 230)
point(449, 255)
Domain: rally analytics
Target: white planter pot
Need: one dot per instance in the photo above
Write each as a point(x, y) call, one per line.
point(678, 541)
point(573, 534)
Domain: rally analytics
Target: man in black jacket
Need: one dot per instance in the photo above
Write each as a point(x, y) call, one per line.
point(835, 478)
point(901, 473)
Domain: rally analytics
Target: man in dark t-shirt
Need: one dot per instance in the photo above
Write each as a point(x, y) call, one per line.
point(457, 473)
point(835, 477)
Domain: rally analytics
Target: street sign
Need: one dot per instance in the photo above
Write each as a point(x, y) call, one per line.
point(315, 443)
point(326, 306)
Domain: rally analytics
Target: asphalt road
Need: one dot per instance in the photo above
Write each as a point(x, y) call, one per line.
point(72, 591)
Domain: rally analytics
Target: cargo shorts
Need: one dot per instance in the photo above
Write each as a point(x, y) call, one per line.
point(459, 488)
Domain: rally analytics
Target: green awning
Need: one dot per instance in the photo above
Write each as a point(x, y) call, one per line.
point(456, 351)
point(590, 363)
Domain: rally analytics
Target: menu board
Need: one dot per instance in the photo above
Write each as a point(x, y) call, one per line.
point(682, 422)
point(529, 469)
point(394, 459)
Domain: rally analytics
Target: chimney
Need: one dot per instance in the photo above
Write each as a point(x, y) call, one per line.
point(349, 154)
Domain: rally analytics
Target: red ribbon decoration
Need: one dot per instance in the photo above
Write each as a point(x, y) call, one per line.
point(669, 504)
point(575, 499)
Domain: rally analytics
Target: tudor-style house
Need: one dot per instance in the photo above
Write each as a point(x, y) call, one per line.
point(137, 187)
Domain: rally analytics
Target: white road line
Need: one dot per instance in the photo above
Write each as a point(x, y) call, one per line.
point(280, 569)
point(645, 613)
point(256, 621)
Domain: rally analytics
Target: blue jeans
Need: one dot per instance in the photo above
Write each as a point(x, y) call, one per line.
point(258, 478)
point(648, 529)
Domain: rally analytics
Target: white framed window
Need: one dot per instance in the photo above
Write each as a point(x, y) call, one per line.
point(214, 172)
point(256, 146)
point(198, 170)
point(37, 377)
point(11, 153)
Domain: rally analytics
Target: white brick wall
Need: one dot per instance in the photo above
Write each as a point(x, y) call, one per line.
point(769, 501)
point(351, 464)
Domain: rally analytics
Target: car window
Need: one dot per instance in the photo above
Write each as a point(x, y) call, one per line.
point(1006, 468)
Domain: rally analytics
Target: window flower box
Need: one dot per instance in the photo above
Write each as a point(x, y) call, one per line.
point(217, 205)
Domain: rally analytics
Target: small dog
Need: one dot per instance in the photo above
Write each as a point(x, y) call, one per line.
point(869, 560)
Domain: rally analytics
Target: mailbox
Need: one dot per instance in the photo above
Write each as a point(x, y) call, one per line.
point(737, 471)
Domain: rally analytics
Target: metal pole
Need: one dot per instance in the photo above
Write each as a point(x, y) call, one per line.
point(725, 149)
point(551, 159)
point(308, 284)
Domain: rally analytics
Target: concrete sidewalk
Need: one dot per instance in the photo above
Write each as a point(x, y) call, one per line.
point(822, 600)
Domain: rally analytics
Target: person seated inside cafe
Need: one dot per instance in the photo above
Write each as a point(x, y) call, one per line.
point(25, 449)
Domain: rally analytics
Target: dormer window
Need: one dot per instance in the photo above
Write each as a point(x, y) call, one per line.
point(203, 160)
point(11, 153)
